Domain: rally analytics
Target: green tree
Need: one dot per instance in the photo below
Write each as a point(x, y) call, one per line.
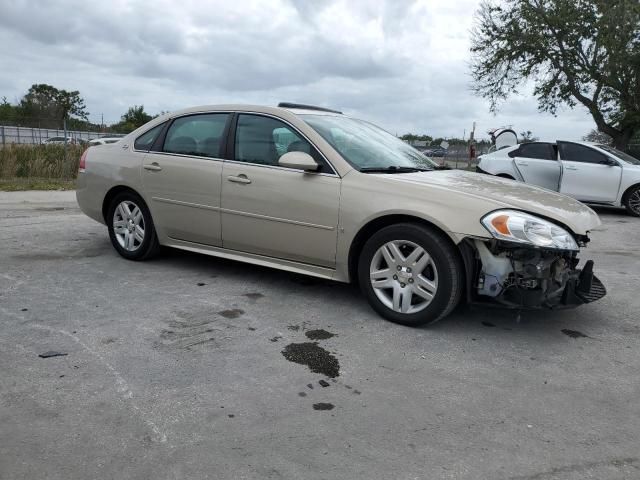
point(527, 137)
point(47, 106)
point(575, 52)
point(597, 137)
point(8, 112)
point(134, 117)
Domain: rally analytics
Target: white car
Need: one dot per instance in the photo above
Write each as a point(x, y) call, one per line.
point(104, 141)
point(589, 172)
point(59, 141)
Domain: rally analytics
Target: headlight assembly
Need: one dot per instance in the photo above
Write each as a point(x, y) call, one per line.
point(520, 227)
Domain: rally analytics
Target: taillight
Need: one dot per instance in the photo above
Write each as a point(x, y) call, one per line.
point(83, 161)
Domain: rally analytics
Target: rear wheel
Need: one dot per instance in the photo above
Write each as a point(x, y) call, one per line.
point(410, 274)
point(632, 201)
point(131, 228)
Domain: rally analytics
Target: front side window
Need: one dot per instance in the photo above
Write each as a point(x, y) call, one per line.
point(575, 152)
point(263, 140)
point(367, 147)
point(198, 135)
point(620, 154)
point(145, 141)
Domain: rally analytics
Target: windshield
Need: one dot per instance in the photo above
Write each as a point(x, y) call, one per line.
point(367, 147)
point(621, 155)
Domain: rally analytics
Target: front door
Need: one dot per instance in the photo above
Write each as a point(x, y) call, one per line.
point(182, 179)
point(275, 211)
point(587, 174)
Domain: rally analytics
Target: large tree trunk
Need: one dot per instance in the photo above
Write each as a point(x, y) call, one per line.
point(621, 140)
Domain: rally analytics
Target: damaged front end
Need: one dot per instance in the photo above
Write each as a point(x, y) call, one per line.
point(522, 276)
point(531, 262)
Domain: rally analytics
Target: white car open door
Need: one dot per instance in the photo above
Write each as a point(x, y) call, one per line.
point(537, 163)
point(587, 174)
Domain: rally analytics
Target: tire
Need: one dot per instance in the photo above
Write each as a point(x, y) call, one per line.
point(632, 201)
point(129, 220)
point(402, 296)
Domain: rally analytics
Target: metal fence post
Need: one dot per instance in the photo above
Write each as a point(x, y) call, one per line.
point(3, 140)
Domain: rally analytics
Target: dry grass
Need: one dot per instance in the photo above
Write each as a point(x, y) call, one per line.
point(41, 162)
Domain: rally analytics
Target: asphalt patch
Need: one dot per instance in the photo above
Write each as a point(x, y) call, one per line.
point(574, 333)
point(323, 406)
point(319, 334)
point(313, 356)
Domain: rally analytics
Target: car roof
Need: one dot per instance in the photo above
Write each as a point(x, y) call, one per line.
point(237, 107)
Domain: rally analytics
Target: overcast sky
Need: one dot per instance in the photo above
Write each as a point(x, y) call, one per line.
point(399, 63)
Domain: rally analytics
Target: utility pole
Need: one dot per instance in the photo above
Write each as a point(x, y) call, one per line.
point(472, 145)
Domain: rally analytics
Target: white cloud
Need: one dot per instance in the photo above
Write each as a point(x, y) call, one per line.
point(402, 64)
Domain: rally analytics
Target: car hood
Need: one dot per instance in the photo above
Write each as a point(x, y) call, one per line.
point(505, 193)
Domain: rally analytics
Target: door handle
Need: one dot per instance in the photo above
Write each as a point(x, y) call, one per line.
point(154, 167)
point(242, 178)
point(571, 168)
point(523, 164)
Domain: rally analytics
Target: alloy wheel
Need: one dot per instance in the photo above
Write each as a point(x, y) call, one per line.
point(403, 276)
point(634, 202)
point(128, 225)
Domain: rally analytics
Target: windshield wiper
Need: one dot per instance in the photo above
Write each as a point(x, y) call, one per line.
point(394, 169)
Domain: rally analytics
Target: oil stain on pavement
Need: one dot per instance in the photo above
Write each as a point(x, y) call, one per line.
point(313, 356)
point(574, 333)
point(319, 334)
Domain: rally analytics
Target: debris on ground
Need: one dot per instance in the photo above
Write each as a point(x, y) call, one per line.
point(52, 353)
point(323, 406)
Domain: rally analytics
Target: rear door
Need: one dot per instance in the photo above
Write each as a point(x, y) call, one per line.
point(182, 176)
point(588, 174)
point(537, 163)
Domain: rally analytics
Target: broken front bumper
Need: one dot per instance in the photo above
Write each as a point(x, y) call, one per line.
point(514, 276)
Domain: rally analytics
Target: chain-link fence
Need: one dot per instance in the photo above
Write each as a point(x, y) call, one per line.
point(35, 131)
point(35, 136)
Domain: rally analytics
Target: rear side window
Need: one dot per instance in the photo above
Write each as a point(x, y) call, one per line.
point(145, 141)
point(574, 152)
point(199, 135)
point(542, 151)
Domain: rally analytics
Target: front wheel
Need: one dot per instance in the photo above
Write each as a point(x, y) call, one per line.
point(131, 228)
point(632, 202)
point(411, 274)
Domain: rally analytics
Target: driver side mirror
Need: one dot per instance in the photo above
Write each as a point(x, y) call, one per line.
point(609, 161)
point(299, 161)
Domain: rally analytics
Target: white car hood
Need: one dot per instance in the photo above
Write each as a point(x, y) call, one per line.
point(505, 193)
